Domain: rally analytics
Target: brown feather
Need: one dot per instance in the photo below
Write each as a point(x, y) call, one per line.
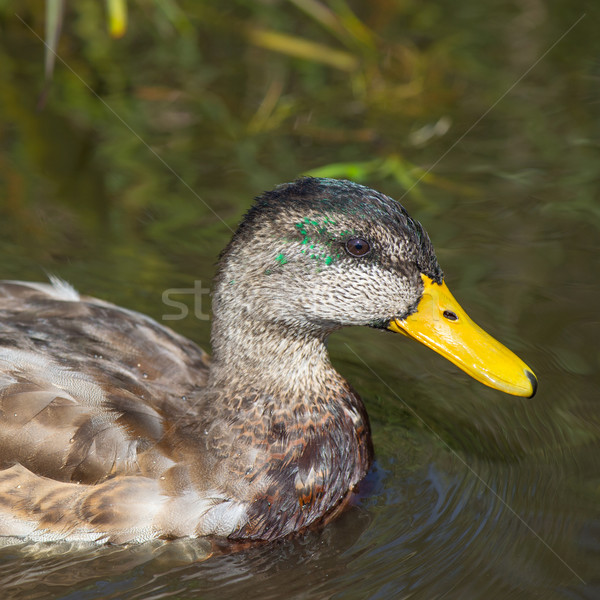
point(115, 428)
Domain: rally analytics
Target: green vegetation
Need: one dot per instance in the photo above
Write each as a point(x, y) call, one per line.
point(168, 106)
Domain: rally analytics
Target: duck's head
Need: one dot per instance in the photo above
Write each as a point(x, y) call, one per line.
point(319, 254)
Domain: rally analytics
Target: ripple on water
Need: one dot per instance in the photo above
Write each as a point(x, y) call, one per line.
point(487, 532)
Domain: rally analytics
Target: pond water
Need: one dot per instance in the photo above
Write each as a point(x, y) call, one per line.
point(127, 174)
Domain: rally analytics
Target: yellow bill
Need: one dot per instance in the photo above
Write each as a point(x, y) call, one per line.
point(444, 326)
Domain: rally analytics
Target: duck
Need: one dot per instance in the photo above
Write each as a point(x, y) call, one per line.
point(115, 429)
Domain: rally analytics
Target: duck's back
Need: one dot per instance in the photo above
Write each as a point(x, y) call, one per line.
point(85, 386)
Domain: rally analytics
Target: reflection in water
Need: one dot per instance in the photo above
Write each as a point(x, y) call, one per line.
point(163, 569)
point(36, 569)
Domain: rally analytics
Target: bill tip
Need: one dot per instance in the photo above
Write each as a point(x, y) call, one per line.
point(534, 382)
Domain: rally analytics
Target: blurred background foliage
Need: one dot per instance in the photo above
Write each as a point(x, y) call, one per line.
point(158, 118)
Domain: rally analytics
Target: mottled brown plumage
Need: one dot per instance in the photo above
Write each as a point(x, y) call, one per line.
point(114, 428)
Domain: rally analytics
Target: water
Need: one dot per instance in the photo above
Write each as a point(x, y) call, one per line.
point(475, 494)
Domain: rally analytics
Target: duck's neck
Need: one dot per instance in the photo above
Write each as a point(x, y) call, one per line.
point(273, 358)
point(301, 435)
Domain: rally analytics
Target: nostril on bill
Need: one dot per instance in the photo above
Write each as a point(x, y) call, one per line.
point(450, 315)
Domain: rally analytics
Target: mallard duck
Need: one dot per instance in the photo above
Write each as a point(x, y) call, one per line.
point(116, 429)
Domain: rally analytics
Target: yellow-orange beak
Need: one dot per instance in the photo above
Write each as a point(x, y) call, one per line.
point(444, 326)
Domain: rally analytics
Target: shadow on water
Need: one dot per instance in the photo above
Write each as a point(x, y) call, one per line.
point(475, 495)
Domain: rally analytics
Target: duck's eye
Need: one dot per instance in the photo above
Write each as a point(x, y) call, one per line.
point(357, 247)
